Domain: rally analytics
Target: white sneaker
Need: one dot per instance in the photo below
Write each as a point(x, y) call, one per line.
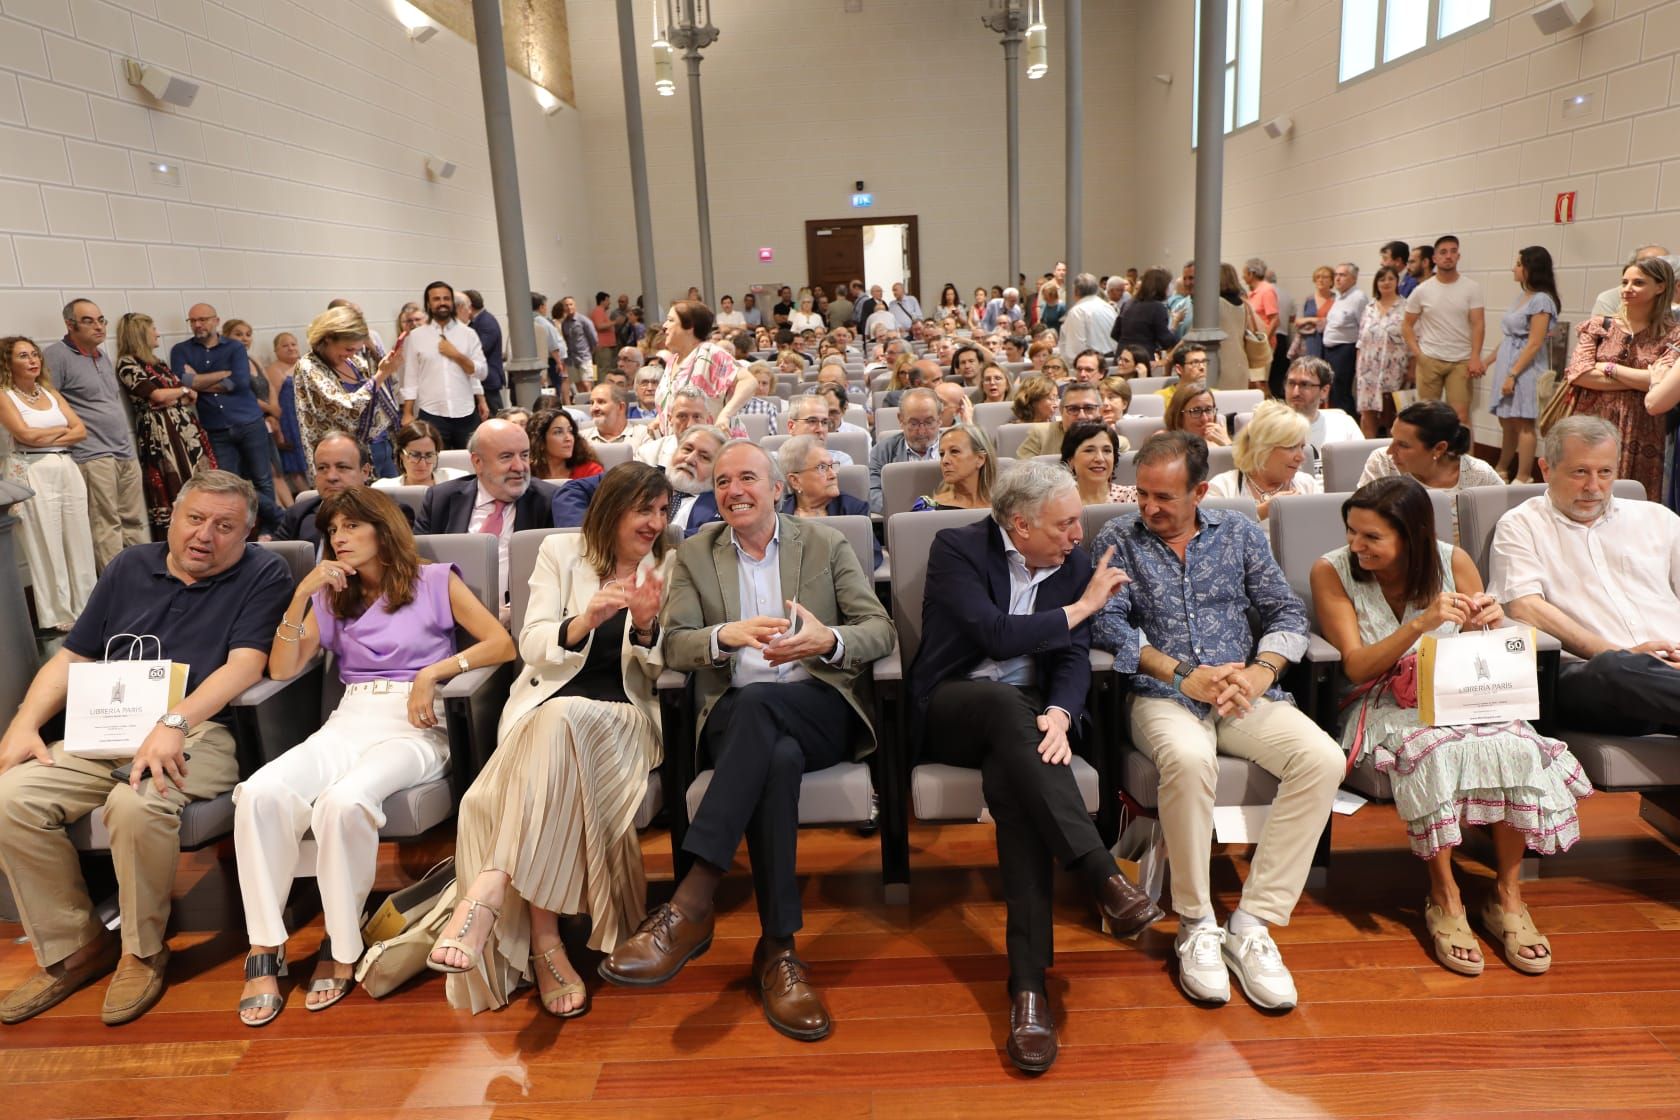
point(1201, 965)
point(1260, 971)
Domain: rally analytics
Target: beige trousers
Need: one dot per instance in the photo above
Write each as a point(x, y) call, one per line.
point(116, 506)
point(38, 802)
point(1278, 738)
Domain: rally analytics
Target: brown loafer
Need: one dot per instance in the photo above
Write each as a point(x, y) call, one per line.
point(54, 984)
point(664, 942)
point(1032, 1032)
point(791, 1002)
point(137, 985)
point(1126, 911)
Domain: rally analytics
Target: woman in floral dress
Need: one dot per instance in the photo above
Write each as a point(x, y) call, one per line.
point(170, 443)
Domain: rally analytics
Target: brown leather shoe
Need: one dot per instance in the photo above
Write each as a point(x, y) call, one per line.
point(1032, 1032)
point(664, 942)
point(1126, 910)
point(137, 985)
point(791, 1001)
point(54, 984)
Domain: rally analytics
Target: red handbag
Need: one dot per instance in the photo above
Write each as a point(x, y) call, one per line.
point(1400, 682)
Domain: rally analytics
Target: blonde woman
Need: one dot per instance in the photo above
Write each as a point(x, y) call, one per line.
point(168, 439)
point(1268, 456)
point(967, 469)
point(335, 389)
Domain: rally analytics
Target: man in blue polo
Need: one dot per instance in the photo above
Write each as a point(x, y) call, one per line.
point(220, 370)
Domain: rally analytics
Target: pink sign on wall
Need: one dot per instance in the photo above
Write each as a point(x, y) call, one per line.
point(767, 254)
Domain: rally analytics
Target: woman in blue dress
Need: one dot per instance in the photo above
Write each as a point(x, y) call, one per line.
point(1514, 369)
point(294, 458)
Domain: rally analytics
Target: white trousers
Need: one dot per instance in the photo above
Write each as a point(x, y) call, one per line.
point(1281, 740)
point(57, 543)
point(334, 783)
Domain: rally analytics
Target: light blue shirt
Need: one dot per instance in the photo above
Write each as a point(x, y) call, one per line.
point(760, 588)
point(1023, 598)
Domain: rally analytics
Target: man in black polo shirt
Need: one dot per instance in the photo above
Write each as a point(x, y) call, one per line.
point(219, 369)
point(213, 602)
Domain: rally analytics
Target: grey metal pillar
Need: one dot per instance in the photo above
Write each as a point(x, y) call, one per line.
point(702, 198)
point(1012, 93)
point(504, 187)
point(19, 655)
point(651, 310)
point(1210, 172)
point(1075, 174)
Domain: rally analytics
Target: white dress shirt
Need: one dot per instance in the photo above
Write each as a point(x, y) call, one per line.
point(1618, 577)
point(1332, 425)
point(905, 311)
point(1087, 326)
point(483, 503)
point(435, 383)
point(760, 588)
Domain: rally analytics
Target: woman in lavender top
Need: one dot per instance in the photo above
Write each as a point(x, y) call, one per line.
point(389, 619)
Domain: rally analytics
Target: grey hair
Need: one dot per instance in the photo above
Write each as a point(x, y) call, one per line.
point(776, 475)
point(800, 401)
point(1084, 285)
point(1016, 292)
point(712, 430)
point(637, 354)
point(919, 393)
point(69, 313)
point(221, 482)
point(1023, 491)
point(1351, 267)
point(1590, 430)
point(1255, 266)
point(687, 393)
point(791, 455)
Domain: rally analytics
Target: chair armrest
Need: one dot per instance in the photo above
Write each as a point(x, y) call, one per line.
point(1102, 661)
point(890, 667)
point(271, 716)
point(1321, 652)
point(670, 681)
point(465, 685)
point(1545, 643)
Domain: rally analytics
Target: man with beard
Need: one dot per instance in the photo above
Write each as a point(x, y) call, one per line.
point(443, 371)
point(500, 497)
point(688, 408)
point(693, 506)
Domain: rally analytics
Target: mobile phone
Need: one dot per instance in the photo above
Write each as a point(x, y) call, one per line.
point(126, 770)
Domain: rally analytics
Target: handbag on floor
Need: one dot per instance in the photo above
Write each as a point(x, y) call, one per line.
point(410, 922)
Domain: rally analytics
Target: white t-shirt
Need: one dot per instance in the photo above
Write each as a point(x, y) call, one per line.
point(1233, 484)
point(1332, 425)
point(1443, 311)
point(728, 319)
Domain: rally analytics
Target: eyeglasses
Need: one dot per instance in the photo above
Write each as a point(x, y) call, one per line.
point(1294, 384)
point(1201, 410)
point(88, 321)
point(1195, 361)
point(1081, 409)
point(825, 467)
point(420, 456)
point(918, 425)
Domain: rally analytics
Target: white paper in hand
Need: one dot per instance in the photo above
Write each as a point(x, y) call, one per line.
point(643, 568)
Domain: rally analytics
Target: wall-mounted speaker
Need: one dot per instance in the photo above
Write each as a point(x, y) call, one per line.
point(1561, 15)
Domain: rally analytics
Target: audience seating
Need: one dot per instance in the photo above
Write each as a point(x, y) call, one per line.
point(903, 483)
point(412, 497)
point(1220, 460)
point(1141, 385)
point(1146, 404)
point(757, 425)
point(1135, 430)
point(1345, 461)
point(1009, 439)
point(852, 443)
point(522, 561)
point(989, 416)
point(1233, 401)
point(613, 454)
point(456, 460)
point(886, 420)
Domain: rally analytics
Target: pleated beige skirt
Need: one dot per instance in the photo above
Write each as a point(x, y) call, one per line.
point(555, 811)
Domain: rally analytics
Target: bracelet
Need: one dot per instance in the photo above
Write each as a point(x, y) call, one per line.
point(1268, 666)
point(297, 626)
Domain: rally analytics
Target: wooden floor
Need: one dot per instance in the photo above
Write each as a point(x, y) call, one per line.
point(918, 996)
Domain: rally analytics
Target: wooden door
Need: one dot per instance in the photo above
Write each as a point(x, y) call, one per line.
point(833, 254)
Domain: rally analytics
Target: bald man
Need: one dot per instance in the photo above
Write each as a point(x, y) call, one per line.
point(219, 370)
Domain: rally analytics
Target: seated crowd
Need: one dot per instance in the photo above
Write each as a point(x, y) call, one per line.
point(704, 547)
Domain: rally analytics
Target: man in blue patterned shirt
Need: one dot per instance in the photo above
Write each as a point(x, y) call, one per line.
point(1204, 686)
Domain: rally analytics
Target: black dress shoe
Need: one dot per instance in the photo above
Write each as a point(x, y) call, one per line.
point(1032, 1032)
point(1126, 910)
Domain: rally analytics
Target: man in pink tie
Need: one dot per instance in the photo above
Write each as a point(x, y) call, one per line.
point(500, 497)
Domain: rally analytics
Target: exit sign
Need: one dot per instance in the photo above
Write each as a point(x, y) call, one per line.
point(862, 200)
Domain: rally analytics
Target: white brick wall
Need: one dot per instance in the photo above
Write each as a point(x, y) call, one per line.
point(802, 99)
point(300, 165)
point(1471, 138)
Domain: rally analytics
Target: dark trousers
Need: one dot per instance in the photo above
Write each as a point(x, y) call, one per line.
point(493, 399)
point(761, 739)
point(384, 459)
point(1040, 815)
point(1619, 693)
point(1279, 372)
point(455, 430)
point(1344, 361)
point(244, 450)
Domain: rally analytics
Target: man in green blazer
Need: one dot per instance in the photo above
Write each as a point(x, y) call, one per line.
point(779, 623)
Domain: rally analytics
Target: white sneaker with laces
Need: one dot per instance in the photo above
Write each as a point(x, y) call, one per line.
point(1201, 965)
point(1254, 957)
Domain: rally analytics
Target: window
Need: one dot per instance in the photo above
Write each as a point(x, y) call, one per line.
point(1242, 65)
point(1400, 28)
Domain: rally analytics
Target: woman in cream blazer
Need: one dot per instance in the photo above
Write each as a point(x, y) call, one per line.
point(547, 827)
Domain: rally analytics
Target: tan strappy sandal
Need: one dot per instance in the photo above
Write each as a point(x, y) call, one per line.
point(1449, 932)
point(456, 943)
point(566, 988)
point(1515, 932)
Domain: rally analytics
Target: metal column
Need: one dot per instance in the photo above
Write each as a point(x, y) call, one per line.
point(702, 198)
point(1012, 93)
point(1210, 173)
point(1075, 173)
point(651, 310)
point(520, 327)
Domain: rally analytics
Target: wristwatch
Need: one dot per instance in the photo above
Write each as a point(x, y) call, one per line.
point(462, 663)
point(175, 722)
point(1181, 670)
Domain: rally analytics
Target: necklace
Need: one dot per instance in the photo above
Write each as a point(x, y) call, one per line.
point(1261, 492)
point(34, 397)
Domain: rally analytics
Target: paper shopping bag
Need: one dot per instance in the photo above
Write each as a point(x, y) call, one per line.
point(1485, 676)
point(111, 706)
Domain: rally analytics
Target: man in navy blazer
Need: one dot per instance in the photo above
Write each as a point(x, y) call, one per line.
point(693, 505)
point(341, 463)
point(999, 684)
